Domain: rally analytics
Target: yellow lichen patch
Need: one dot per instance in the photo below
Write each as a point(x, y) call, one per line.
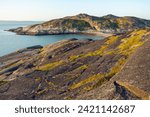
point(104, 47)
point(99, 82)
point(50, 66)
point(100, 78)
point(116, 68)
point(100, 51)
point(139, 32)
point(110, 52)
point(130, 44)
point(135, 90)
point(74, 57)
point(83, 67)
point(86, 81)
point(111, 40)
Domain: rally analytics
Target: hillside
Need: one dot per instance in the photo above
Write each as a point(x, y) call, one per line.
point(116, 67)
point(84, 23)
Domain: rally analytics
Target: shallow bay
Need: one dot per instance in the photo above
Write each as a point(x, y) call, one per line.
point(10, 42)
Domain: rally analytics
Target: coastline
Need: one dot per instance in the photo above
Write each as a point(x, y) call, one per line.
point(88, 32)
point(104, 35)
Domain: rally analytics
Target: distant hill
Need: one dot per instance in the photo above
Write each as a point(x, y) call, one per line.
point(84, 23)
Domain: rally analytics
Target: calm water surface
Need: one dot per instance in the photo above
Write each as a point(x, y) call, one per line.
point(10, 42)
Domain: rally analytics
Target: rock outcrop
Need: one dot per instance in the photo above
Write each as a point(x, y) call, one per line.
point(84, 23)
point(113, 68)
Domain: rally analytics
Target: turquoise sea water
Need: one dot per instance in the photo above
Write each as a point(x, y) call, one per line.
point(10, 42)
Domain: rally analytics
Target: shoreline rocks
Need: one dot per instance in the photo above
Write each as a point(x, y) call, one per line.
point(79, 69)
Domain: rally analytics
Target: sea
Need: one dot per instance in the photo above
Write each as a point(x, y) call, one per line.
point(10, 42)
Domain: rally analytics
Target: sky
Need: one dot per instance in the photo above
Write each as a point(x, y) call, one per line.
point(43, 10)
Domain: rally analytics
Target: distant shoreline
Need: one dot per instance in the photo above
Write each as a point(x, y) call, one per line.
point(98, 33)
point(104, 35)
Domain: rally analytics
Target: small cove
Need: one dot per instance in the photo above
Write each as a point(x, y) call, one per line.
point(10, 42)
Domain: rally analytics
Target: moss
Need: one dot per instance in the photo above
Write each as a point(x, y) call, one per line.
point(110, 52)
point(104, 47)
point(135, 90)
point(50, 66)
point(83, 67)
point(86, 81)
point(74, 57)
point(111, 40)
point(130, 44)
point(116, 68)
point(98, 52)
point(101, 78)
point(127, 47)
point(99, 83)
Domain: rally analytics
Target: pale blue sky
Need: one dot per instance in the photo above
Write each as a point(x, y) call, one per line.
point(49, 9)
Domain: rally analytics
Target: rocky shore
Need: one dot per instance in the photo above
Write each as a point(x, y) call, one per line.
point(116, 67)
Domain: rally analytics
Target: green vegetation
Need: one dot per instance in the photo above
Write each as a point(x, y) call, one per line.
point(76, 24)
point(50, 66)
point(135, 90)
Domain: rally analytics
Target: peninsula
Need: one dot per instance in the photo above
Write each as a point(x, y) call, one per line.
point(84, 23)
